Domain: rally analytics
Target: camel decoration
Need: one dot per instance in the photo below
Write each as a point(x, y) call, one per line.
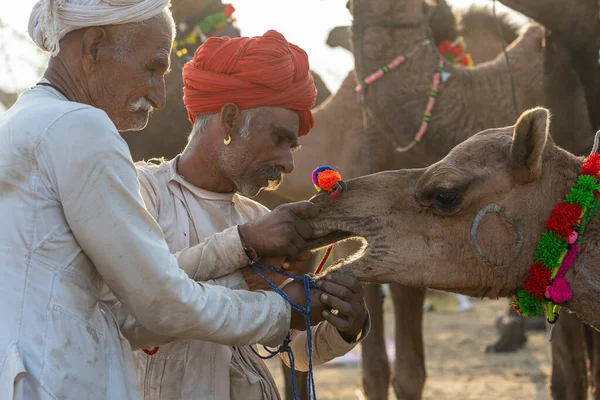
point(477, 223)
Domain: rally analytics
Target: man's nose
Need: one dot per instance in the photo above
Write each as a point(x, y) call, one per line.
point(286, 162)
point(158, 95)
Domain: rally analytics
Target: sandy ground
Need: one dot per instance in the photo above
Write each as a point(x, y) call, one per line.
point(457, 367)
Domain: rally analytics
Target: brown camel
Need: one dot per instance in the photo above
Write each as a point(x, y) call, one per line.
point(484, 90)
point(469, 223)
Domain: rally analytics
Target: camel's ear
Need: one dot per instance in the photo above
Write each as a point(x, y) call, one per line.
point(529, 138)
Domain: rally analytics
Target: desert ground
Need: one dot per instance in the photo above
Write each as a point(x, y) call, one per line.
point(457, 365)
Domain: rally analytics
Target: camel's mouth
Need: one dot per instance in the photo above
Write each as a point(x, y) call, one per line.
point(326, 240)
point(349, 263)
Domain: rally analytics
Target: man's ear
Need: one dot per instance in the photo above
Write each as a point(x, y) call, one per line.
point(93, 40)
point(529, 139)
point(231, 120)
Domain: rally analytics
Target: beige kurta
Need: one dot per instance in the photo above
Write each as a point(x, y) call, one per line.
point(72, 220)
point(193, 369)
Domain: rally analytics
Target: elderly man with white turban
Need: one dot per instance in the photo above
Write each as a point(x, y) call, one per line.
point(74, 223)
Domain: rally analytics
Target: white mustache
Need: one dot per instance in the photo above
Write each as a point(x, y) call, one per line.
point(141, 105)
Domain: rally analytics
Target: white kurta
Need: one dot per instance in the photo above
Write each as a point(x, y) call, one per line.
point(72, 220)
point(193, 369)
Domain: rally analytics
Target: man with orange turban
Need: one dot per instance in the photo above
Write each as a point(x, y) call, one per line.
point(249, 99)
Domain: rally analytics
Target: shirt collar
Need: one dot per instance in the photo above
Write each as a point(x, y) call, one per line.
point(177, 179)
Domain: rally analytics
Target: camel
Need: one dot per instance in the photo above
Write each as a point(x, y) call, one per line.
point(469, 223)
point(476, 25)
point(576, 26)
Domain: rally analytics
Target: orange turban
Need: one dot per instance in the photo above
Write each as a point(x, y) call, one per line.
point(250, 72)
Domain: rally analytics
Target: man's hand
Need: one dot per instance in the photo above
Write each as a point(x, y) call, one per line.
point(255, 282)
point(295, 291)
point(281, 232)
point(344, 294)
point(295, 266)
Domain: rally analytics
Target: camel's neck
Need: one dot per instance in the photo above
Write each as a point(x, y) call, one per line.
point(584, 277)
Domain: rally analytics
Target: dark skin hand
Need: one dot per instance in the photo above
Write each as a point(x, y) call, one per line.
point(282, 232)
point(294, 266)
point(344, 293)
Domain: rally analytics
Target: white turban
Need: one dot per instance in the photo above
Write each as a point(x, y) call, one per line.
point(51, 20)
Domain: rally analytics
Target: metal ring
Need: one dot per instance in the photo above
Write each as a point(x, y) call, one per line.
point(335, 311)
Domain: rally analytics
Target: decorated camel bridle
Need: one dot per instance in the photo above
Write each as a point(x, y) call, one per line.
point(359, 27)
point(546, 288)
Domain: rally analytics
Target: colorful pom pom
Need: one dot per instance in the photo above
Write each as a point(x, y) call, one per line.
point(528, 305)
point(559, 291)
point(564, 217)
point(328, 179)
point(592, 165)
point(537, 281)
point(550, 249)
point(583, 191)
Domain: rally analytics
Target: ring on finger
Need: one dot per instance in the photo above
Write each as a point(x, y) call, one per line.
point(335, 311)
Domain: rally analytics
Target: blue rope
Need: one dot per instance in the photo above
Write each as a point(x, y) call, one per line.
point(285, 346)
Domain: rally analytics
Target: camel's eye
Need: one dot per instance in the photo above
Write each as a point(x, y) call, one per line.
point(447, 200)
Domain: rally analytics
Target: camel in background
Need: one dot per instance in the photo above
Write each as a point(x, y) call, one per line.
point(476, 25)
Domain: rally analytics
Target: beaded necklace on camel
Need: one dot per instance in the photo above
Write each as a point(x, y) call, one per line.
point(454, 52)
point(546, 288)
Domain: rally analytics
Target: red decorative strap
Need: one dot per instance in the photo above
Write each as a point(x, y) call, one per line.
point(150, 352)
point(324, 259)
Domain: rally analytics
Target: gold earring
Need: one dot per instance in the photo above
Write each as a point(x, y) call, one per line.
point(227, 141)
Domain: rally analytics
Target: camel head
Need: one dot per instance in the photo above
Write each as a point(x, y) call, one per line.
point(468, 223)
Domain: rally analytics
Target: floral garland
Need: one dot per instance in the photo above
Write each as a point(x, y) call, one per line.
point(560, 243)
point(202, 30)
point(456, 52)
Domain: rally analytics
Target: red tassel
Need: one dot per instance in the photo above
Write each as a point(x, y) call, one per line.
point(564, 217)
point(327, 179)
point(592, 165)
point(538, 279)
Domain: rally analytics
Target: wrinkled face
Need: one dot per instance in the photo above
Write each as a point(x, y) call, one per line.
point(468, 223)
point(262, 150)
point(129, 82)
